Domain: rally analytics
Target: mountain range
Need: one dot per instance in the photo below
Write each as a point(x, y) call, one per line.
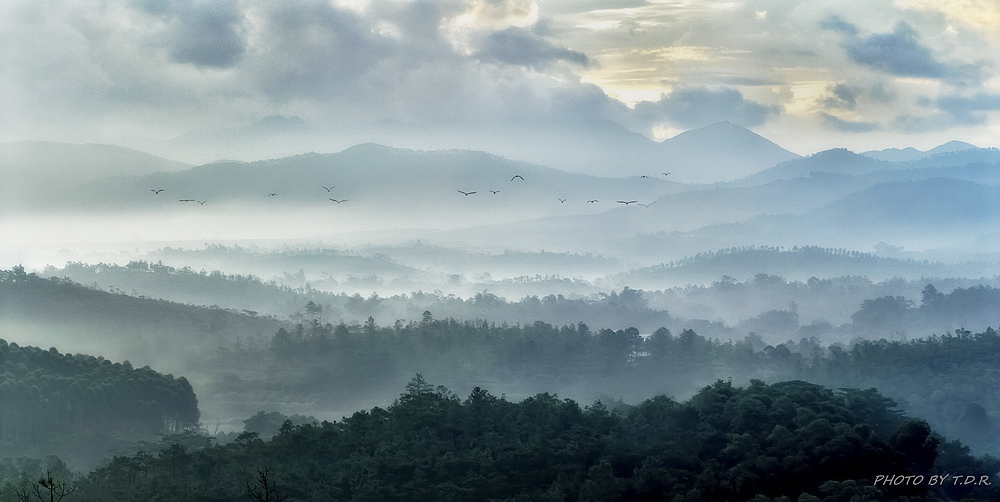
point(717, 152)
point(382, 194)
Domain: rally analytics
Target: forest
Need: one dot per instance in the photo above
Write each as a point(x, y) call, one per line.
point(779, 442)
point(70, 403)
point(499, 251)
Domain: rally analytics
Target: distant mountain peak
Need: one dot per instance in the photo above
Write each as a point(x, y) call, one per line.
point(722, 151)
point(280, 123)
point(836, 154)
point(951, 146)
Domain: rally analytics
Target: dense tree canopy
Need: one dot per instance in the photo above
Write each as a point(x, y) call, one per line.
point(787, 441)
point(53, 399)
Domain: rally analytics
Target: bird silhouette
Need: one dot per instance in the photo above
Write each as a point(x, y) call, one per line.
point(562, 201)
point(330, 188)
point(272, 195)
point(666, 174)
point(643, 176)
point(339, 201)
point(627, 202)
point(517, 176)
point(185, 200)
point(591, 201)
point(646, 205)
point(495, 191)
point(466, 193)
point(202, 202)
point(156, 191)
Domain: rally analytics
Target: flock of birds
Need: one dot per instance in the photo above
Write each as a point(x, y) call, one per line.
point(157, 191)
point(563, 201)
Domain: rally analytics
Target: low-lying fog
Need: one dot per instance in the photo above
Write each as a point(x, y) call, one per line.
point(222, 272)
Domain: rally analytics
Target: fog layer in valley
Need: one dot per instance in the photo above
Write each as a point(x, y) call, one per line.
point(318, 284)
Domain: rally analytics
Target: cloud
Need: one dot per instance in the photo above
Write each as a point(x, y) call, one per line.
point(406, 63)
point(700, 106)
point(205, 34)
point(836, 23)
point(949, 111)
point(898, 53)
point(969, 110)
point(840, 124)
point(315, 51)
point(843, 97)
point(518, 46)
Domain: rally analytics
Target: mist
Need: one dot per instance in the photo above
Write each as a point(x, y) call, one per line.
point(233, 226)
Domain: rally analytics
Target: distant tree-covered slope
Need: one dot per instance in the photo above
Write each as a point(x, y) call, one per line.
point(945, 379)
point(797, 262)
point(782, 442)
point(93, 320)
point(256, 297)
point(69, 404)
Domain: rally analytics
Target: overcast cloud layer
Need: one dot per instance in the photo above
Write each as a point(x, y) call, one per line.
point(809, 75)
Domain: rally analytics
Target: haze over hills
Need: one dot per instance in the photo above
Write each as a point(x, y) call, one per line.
point(718, 152)
point(910, 153)
point(372, 193)
point(75, 163)
point(295, 210)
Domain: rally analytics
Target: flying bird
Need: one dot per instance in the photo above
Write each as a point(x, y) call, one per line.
point(517, 176)
point(666, 174)
point(591, 201)
point(339, 201)
point(202, 202)
point(627, 202)
point(495, 191)
point(272, 194)
point(156, 191)
point(466, 193)
point(330, 188)
point(646, 205)
point(643, 176)
point(185, 200)
point(562, 201)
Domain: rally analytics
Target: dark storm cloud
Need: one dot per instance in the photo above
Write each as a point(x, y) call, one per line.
point(840, 124)
point(700, 106)
point(897, 53)
point(205, 34)
point(518, 46)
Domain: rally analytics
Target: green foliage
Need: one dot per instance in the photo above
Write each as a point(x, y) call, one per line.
point(787, 441)
point(53, 400)
point(947, 379)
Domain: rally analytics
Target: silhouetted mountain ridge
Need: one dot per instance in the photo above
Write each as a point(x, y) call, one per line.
point(910, 153)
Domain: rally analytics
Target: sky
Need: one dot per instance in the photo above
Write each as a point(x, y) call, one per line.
point(809, 75)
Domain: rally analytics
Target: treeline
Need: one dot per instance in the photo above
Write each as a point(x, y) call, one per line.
point(825, 304)
point(62, 307)
point(789, 441)
point(726, 307)
point(799, 262)
point(946, 379)
point(68, 403)
point(252, 296)
point(976, 305)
